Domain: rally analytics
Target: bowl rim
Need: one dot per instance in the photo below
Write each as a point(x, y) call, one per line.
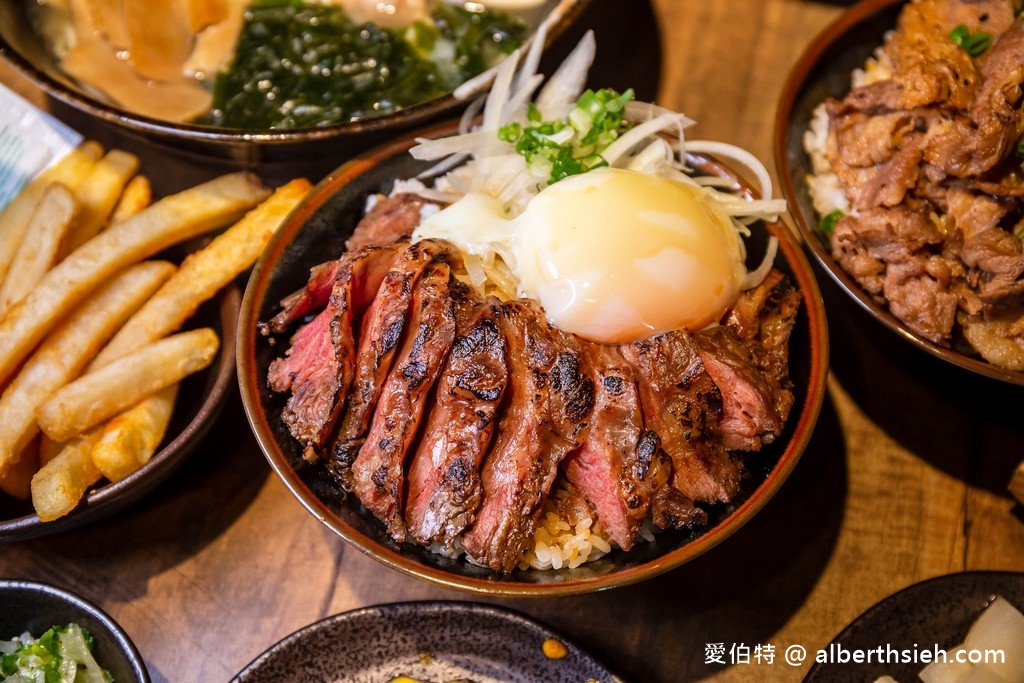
point(121, 639)
point(809, 60)
point(564, 12)
point(111, 497)
point(255, 293)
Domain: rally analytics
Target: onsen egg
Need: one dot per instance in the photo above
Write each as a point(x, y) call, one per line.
point(616, 255)
point(612, 255)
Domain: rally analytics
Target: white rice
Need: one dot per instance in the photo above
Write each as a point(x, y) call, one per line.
point(558, 543)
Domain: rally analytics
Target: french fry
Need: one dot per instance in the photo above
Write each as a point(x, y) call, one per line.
point(129, 440)
point(99, 395)
point(166, 222)
point(203, 273)
point(47, 449)
point(137, 195)
point(97, 196)
point(16, 480)
point(15, 217)
point(69, 348)
point(38, 249)
point(59, 485)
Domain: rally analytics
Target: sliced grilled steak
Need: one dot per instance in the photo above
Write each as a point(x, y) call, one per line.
point(382, 328)
point(444, 489)
point(748, 360)
point(683, 406)
point(377, 474)
point(549, 398)
point(318, 367)
point(390, 219)
point(614, 473)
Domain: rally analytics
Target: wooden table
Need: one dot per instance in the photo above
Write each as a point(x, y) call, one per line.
point(904, 479)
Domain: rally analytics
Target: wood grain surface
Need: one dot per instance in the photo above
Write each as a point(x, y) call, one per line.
point(905, 478)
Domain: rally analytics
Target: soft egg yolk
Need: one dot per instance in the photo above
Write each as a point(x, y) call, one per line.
point(615, 256)
point(612, 255)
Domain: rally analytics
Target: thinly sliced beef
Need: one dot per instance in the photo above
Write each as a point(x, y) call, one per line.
point(318, 367)
point(382, 329)
point(613, 468)
point(971, 145)
point(930, 68)
point(996, 262)
point(543, 415)
point(389, 219)
point(683, 406)
point(919, 295)
point(444, 489)
point(377, 475)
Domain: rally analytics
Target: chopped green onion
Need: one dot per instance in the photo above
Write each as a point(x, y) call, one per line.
point(828, 222)
point(973, 43)
point(1019, 150)
point(559, 149)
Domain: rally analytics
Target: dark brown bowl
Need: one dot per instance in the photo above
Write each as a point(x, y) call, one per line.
point(36, 607)
point(21, 46)
point(317, 230)
point(199, 402)
point(824, 71)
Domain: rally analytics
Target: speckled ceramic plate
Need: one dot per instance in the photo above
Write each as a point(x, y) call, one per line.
point(933, 613)
point(432, 642)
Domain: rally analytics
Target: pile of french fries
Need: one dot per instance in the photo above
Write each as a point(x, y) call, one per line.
point(91, 354)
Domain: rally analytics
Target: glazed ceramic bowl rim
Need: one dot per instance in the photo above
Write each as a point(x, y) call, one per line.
point(121, 639)
point(563, 13)
point(807, 64)
point(255, 293)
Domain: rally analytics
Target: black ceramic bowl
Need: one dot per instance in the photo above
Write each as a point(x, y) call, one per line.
point(22, 47)
point(316, 232)
point(824, 71)
point(199, 402)
point(36, 607)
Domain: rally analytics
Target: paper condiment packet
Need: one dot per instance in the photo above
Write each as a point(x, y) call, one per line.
point(30, 140)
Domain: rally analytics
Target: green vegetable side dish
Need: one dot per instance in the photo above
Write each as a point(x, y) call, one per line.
point(61, 655)
point(303, 65)
point(558, 149)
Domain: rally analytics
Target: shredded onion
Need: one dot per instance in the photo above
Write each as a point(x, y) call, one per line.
point(477, 160)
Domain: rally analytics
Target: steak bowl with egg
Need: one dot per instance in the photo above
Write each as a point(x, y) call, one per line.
point(547, 349)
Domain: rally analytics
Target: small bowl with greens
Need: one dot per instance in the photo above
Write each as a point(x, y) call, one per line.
point(47, 630)
point(255, 81)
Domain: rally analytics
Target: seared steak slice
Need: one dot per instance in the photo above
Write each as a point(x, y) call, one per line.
point(318, 366)
point(610, 469)
point(748, 359)
point(754, 407)
point(388, 220)
point(444, 489)
point(683, 406)
point(377, 474)
point(382, 328)
point(321, 280)
point(546, 404)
